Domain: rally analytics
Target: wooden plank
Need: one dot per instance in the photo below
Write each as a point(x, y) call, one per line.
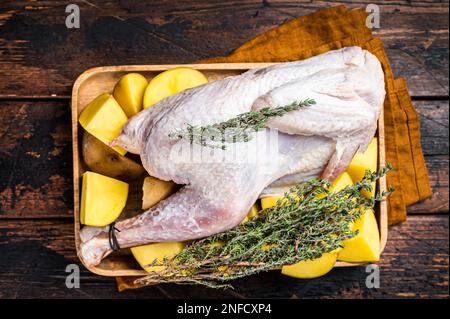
point(414, 264)
point(433, 126)
point(434, 116)
point(41, 57)
point(36, 150)
point(438, 173)
point(35, 159)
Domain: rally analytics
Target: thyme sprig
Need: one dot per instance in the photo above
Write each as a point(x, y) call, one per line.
point(238, 129)
point(306, 223)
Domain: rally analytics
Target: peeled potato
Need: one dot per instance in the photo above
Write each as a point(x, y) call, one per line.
point(102, 159)
point(156, 190)
point(252, 213)
point(102, 199)
point(146, 254)
point(341, 182)
point(364, 247)
point(269, 201)
point(104, 118)
point(129, 92)
point(266, 247)
point(311, 268)
point(362, 162)
point(171, 82)
point(338, 184)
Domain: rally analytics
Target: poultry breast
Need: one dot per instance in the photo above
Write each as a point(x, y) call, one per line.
point(315, 141)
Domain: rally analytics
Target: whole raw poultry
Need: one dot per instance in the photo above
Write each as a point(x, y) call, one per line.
point(315, 141)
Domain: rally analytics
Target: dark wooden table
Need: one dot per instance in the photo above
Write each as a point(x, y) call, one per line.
point(40, 59)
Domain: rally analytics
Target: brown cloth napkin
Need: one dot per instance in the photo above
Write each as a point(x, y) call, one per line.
point(332, 29)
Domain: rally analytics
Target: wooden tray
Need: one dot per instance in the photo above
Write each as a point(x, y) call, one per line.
point(96, 81)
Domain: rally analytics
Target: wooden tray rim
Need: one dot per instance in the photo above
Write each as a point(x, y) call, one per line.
point(383, 219)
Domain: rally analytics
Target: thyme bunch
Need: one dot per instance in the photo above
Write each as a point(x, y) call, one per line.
point(237, 129)
point(306, 223)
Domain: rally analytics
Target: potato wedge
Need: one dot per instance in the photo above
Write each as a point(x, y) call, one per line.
point(311, 268)
point(147, 254)
point(362, 162)
point(104, 118)
point(102, 199)
point(129, 92)
point(171, 82)
point(364, 247)
point(102, 159)
point(156, 190)
point(252, 213)
point(341, 182)
point(270, 201)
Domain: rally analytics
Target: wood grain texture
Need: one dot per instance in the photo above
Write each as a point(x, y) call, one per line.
point(36, 158)
point(433, 126)
point(40, 57)
point(415, 264)
point(434, 118)
point(438, 173)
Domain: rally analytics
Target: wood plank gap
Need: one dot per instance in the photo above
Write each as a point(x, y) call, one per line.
point(421, 214)
point(430, 97)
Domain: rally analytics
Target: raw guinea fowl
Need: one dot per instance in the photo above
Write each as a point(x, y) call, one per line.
point(315, 141)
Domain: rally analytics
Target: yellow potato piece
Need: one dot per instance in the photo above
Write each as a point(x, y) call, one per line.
point(311, 268)
point(155, 190)
point(266, 247)
point(216, 244)
point(252, 213)
point(338, 184)
point(171, 82)
point(129, 92)
point(104, 118)
point(341, 182)
point(364, 247)
point(146, 254)
point(362, 162)
point(270, 201)
point(102, 199)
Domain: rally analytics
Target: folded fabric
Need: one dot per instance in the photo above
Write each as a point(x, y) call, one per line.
point(332, 29)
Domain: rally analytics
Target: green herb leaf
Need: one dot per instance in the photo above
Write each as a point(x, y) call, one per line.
point(303, 225)
point(238, 129)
